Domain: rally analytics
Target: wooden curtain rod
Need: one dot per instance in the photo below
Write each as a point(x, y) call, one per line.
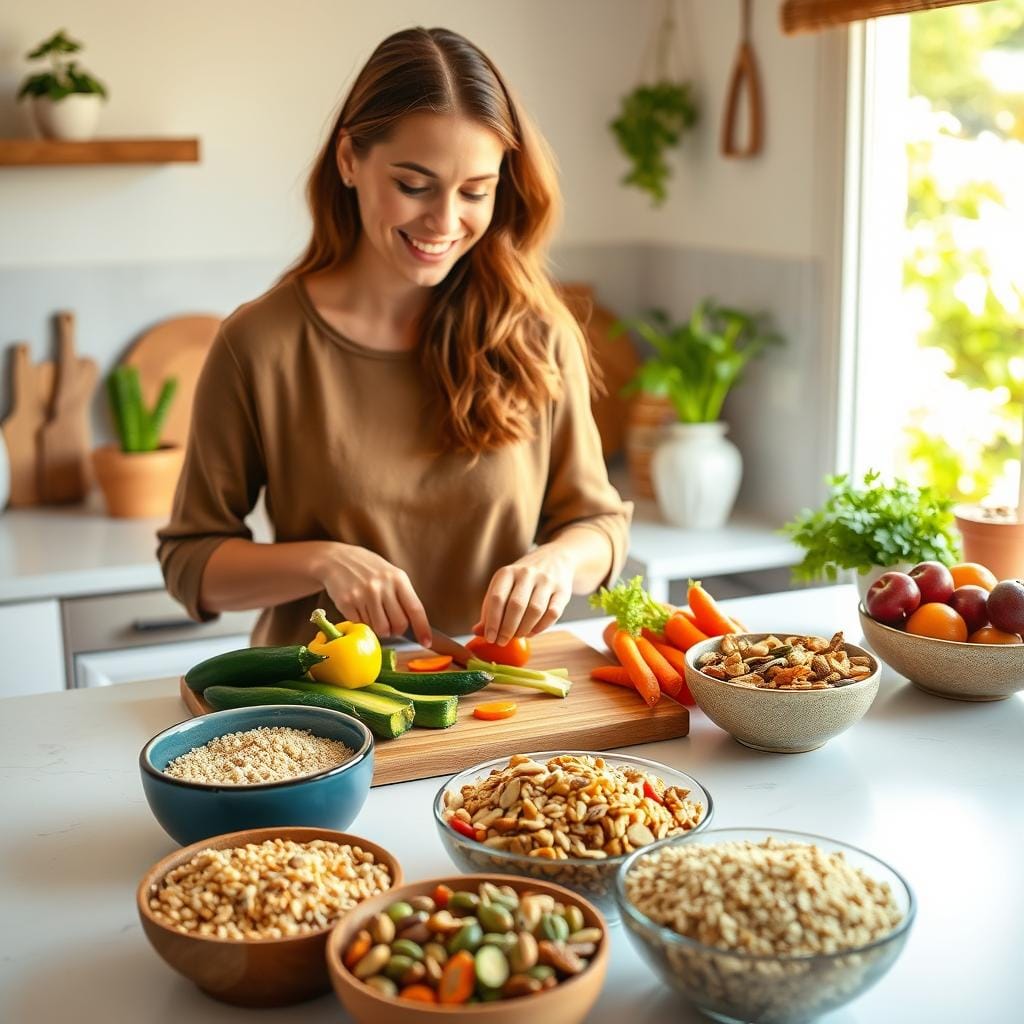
point(812, 15)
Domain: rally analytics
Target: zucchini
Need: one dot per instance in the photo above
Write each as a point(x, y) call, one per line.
point(433, 711)
point(252, 666)
point(443, 684)
point(388, 659)
point(386, 718)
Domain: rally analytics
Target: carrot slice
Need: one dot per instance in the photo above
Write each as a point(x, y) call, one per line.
point(710, 618)
point(668, 678)
point(682, 633)
point(437, 663)
point(643, 678)
point(611, 674)
point(420, 994)
point(495, 710)
point(677, 660)
point(458, 979)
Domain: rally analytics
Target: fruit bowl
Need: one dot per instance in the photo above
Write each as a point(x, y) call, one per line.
point(948, 668)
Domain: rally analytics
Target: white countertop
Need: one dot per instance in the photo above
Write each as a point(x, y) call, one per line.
point(935, 787)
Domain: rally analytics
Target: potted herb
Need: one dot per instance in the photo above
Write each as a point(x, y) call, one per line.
point(696, 470)
point(139, 474)
point(873, 527)
point(66, 98)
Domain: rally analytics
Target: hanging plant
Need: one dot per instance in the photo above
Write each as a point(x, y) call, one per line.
point(654, 116)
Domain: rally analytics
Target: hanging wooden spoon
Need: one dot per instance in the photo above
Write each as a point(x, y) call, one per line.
point(744, 77)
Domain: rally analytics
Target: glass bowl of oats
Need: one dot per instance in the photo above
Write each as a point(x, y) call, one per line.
point(782, 692)
point(764, 924)
point(569, 817)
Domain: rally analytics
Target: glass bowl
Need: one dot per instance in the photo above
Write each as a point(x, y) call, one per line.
point(594, 879)
point(734, 986)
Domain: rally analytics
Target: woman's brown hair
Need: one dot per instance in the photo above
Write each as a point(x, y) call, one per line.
point(488, 328)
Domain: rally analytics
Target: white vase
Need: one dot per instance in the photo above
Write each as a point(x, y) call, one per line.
point(73, 118)
point(696, 474)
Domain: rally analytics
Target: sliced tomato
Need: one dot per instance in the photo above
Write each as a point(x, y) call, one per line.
point(516, 652)
point(435, 663)
point(495, 710)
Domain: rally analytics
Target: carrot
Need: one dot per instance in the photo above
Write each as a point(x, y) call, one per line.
point(686, 614)
point(677, 660)
point(495, 710)
point(435, 664)
point(643, 678)
point(669, 680)
point(420, 994)
point(710, 618)
point(682, 633)
point(458, 979)
point(655, 638)
point(609, 633)
point(611, 674)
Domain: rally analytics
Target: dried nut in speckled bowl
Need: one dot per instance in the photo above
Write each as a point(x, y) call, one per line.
point(782, 692)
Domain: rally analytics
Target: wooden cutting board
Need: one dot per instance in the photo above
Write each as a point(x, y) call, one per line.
point(31, 392)
point(174, 348)
point(595, 716)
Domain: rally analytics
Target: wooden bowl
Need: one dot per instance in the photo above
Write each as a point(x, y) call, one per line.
point(779, 721)
point(249, 972)
point(568, 1003)
point(946, 668)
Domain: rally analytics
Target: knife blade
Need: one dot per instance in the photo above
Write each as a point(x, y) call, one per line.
point(441, 643)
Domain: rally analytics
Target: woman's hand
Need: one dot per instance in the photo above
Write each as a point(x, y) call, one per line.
point(366, 588)
point(529, 595)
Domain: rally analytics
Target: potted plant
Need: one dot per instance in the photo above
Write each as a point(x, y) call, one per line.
point(66, 98)
point(872, 528)
point(696, 470)
point(137, 476)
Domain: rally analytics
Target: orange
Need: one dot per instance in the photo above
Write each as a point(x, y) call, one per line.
point(972, 572)
point(991, 635)
point(938, 621)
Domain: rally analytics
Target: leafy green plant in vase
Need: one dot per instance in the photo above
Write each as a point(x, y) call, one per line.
point(696, 470)
point(138, 475)
point(872, 527)
point(65, 99)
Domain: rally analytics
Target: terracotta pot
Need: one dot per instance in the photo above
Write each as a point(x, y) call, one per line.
point(649, 416)
point(993, 537)
point(138, 485)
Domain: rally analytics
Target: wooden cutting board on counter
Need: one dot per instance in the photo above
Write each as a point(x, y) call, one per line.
point(595, 716)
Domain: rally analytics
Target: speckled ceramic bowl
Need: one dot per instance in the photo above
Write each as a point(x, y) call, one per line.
point(947, 668)
point(779, 721)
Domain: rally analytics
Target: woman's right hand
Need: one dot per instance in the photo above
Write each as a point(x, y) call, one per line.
point(366, 588)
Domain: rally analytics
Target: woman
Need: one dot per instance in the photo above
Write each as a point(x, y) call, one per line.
point(412, 393)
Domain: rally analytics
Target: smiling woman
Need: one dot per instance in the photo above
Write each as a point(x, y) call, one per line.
point(412, 394)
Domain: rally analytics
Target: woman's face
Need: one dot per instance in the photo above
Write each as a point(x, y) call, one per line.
point(426, 194)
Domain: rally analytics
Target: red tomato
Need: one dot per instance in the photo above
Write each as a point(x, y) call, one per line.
point(516, 652)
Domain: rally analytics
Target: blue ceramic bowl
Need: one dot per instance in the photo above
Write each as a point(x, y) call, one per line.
point(192, 811)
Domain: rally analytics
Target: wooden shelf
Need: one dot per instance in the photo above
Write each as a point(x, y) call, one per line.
point(54, 153)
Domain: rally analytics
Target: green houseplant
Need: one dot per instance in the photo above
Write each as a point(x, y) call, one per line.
point(66, 98)
point(695, 471)
point(137, 475)
point(873, 526)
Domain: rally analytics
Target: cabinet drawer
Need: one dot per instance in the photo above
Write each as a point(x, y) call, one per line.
point(146, 617)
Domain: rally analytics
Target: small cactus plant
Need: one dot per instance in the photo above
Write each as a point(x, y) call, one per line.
point(138, 428)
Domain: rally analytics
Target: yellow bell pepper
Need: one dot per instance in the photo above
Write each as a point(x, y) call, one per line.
point(352, 650)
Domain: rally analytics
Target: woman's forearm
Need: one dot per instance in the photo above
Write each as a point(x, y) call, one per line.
point(241, 574)
point(591, 554)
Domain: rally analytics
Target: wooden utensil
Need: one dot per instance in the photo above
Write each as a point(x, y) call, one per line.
point(174, 348)
point(595, 716)
point(744, 77)
point(66, 437)
point(31, 391)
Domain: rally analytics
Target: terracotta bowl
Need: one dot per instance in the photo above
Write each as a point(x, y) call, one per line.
point(256, 973)
point(568, 1003)
point(780, 721)
point(946, 668)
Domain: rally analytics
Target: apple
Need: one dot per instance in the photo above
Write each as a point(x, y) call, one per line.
point(934, 581)
point(892, 598)
point(969, 602)
point(1006, 606)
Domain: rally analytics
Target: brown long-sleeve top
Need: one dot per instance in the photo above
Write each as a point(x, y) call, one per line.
point(343, 439)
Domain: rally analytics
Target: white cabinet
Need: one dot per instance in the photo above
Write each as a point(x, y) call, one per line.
point(31, 648)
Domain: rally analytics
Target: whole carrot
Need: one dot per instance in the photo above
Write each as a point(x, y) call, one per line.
point(682, 633)
point(669, 680)
point(611, 674)
point(677, 660)
point(710, 618)
point(609, 633)
point(642, 677)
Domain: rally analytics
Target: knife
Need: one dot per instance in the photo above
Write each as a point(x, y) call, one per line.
point(441, 643)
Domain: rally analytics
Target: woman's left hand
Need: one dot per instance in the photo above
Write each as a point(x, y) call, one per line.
point(529, 595)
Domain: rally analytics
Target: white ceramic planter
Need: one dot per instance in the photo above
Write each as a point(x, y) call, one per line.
point(696, 474)
point(73, 118)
